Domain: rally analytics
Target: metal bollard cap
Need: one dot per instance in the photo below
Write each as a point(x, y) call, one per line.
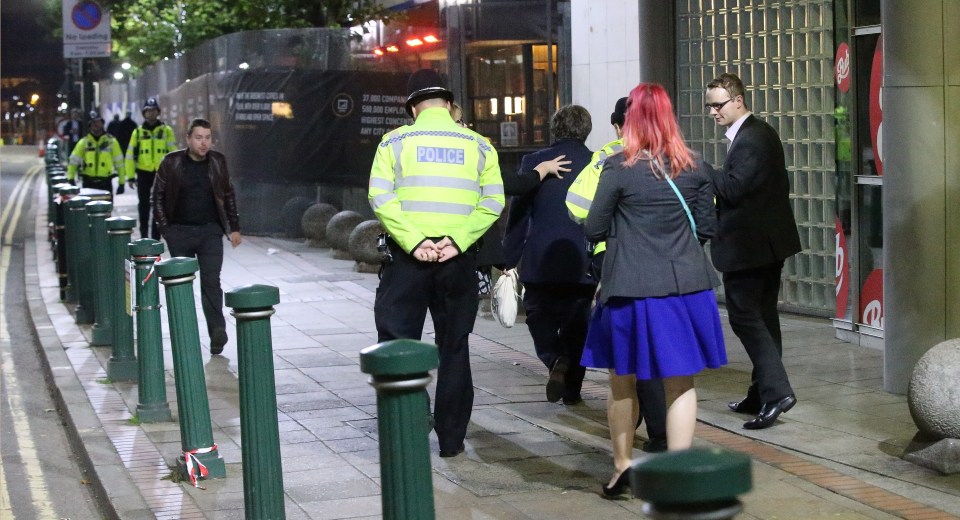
point(177, 266)
point(78, 202)
point(145, 247)
point(99, 207)
point(691, 476)
point(399, 357)
point(116, 223)
point(253, 296)
point(67, 189)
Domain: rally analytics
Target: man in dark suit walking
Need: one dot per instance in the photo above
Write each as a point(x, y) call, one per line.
point(756, 233)
point(549, 250)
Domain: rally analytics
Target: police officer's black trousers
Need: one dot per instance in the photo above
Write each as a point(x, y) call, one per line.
point(449, 290)
point(144, 185)
point(98, 183)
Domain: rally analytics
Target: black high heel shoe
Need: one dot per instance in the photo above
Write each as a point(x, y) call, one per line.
point(621, 486)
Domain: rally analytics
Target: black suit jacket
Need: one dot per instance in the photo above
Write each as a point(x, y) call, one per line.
point(540, 237)
point(755, 220)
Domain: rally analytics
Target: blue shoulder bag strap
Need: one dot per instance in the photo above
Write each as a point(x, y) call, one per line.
point(658, 166)
point(686, 208)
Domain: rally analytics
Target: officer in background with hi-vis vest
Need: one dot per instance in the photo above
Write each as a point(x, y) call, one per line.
point(653, 406)
point(436, 188)
point(148, 144)
point(96, 157)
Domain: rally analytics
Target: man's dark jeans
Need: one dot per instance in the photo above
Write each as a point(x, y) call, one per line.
point(206, 244)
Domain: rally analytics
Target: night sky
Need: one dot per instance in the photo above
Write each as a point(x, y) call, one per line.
point(28, 48)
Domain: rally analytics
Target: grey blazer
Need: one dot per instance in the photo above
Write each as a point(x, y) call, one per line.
point(651, 250)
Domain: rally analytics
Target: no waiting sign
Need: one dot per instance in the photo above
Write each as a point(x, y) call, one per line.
point(86, 29)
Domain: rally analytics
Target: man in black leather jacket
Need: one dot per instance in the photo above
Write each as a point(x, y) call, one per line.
point(194, 206)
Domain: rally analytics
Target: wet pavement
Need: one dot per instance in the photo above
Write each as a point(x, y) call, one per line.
point(835, 455)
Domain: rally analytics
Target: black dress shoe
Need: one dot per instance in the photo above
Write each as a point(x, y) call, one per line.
point(746, 405)
point(621, 486)
point(557, 384)
point(452, 452)
point(218, 338)
point(769, 413)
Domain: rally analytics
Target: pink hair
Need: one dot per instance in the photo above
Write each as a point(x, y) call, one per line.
point(651, 132)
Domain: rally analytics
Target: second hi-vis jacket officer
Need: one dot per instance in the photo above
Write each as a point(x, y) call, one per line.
point(150, 142)
point(148, 145)
point(96, 157)
point(581, 192)
point(436, 188)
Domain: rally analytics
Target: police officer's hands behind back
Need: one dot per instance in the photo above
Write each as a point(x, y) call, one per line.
point(427, 251)
point(430, 251)
point(447, 249)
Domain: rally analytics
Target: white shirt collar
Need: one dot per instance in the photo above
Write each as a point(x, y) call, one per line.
point(731, 132)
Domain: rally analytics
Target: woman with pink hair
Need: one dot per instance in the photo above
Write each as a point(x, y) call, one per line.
point(657, 315)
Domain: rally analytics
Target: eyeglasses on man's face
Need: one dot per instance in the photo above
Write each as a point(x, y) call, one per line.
point(716, 106)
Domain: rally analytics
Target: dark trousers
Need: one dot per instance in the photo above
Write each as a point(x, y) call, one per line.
point(558, 316)
point(653, 407)
point(751, 297)
point(407, 289)
point(144, 185)
point(206, 244)
point(98, 183)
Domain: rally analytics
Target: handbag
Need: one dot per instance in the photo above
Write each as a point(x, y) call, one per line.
point(506, 296)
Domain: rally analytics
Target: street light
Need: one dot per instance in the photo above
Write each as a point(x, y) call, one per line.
point(118, 75)
point(125, 65)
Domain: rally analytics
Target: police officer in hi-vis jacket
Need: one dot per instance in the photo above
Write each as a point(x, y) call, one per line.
point(96, 157)
point(148, 144)
point(436, 188)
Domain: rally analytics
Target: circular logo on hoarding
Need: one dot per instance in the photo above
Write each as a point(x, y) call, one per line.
point(841, 69)
point(342, 105)
point(86, 15)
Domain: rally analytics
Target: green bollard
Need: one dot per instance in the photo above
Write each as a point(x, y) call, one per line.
point(694, 484)
point(123, 363)
point(78, 252)
point(151, 386)
point(196, 434)
point(262, 472)
point(97, 213)
point(399, 370)
point(65, 192)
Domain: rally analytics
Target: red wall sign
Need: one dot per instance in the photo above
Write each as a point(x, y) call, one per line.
point(876, 106)
point(841, 69)
point(871, 300)
point(843, 272)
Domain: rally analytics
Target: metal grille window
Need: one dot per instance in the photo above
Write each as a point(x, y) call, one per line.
point(783, 52)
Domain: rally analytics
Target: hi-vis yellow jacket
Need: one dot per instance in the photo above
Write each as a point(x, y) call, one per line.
point(435, 179)
point(147, 148)
point(96, 157)
point(581, 192)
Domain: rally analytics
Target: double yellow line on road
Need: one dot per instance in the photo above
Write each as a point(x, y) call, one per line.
point(43, 507)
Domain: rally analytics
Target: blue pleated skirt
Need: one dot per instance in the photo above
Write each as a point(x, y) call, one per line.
point(656, 337)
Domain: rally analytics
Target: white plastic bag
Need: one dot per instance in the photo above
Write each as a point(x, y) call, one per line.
point(506, 296)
